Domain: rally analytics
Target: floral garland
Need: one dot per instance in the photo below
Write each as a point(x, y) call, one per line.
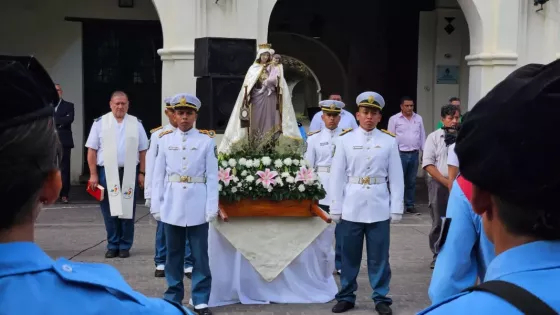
point(273, 176)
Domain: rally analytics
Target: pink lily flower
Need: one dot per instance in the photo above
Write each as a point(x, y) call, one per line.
point(305, 175)
point(224, 175)
point(267, 178)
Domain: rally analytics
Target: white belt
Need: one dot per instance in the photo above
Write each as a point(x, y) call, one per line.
point(366, 180)
point(176, 178)
point(323, 169)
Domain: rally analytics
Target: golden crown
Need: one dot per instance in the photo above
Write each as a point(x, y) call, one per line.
point(265, 46)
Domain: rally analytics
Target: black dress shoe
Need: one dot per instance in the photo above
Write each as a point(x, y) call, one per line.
point(188, 275)
point(159, 273)
point(124, 253)
point(342, 306)
point(111, 253)
point(203, 311)
point(412, 211)
point(383, 308)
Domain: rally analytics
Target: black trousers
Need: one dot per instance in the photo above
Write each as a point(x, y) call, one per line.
point(65, 172)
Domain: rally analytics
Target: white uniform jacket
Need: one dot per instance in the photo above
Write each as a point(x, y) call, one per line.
point(183, 154)
point(319, 155)
point(151, 159)
point(361, 154)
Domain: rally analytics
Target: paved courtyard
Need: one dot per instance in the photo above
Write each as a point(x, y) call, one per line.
point(76, 231)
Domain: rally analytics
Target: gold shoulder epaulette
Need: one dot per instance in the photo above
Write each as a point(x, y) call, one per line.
point(345, 131)
point(388, 132)
point(165, 133)
point(209, 133)
point(156, 129)
point(309, 134)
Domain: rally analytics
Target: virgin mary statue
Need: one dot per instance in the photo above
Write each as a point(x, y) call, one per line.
point(264, 104)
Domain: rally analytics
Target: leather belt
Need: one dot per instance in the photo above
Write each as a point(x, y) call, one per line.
point(367, 180)
point(176, 178)
point(323, 169)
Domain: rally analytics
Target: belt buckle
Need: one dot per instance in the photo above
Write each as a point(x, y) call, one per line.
point(364, 180)
point(185, 179)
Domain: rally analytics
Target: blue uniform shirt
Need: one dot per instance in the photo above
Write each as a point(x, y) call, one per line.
point(534, 266)
point(466, 253)
point(33, 283)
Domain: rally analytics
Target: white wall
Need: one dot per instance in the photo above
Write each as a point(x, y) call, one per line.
point(37, 27)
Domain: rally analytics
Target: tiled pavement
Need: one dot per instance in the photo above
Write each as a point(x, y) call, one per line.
point(77, 230)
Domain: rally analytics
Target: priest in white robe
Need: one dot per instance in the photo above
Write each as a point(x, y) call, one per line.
point(117, 145)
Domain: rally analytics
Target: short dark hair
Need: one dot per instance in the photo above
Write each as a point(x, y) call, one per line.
point(529, 221)
point(28, 153)
point(453, 99)
point(449, 110)
point(406, 98)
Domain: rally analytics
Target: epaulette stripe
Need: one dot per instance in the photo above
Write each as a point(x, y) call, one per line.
point(209, 133)
point(165, 133)
point(345, 131)
point(156, 129)
point(313, 132)
point(388, 132)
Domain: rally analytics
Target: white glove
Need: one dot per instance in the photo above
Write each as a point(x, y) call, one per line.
point(396, 218)
point(148, 202)
point(211, 217)
point(336, 217)
point(156, 216)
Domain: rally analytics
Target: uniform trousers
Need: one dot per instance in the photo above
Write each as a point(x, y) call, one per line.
point(120, 232)
point(201, 281)
point(377, 237)
point(438, 195)
point(161, 248)
point(65, 172)
point(337, 241)
point(409, 162)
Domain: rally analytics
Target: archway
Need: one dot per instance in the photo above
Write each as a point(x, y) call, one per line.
point(304, 85)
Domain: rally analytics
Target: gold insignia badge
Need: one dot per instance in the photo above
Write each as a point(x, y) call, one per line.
point(371, 99)
point(183, 101)
point(333, 106)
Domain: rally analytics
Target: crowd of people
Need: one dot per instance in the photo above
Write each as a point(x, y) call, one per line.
point(498, 224)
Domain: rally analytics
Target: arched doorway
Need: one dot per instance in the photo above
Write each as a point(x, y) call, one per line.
point(358, 46)
point(304, 85)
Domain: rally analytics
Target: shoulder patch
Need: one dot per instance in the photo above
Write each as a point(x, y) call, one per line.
point(309, 134)
point(156, 129)
point(165, 133)
point(388, 132)
point(345, 131)
point(209, 133)
point(97, 119)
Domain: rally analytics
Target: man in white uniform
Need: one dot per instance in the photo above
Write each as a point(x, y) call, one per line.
point(365, 159)
point(160, 249)
point(117, 145)
point(319, 155)
point(347, 120)
point(185, 199)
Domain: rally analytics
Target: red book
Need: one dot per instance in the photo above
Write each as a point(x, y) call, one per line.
point(98, 193)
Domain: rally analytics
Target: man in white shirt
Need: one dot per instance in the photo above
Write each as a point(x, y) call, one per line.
point(347, 120)
point(117, 145)
point(365, 159)
point(160, 248)
point(319, 155)
point(434, 162)
point(185, 199)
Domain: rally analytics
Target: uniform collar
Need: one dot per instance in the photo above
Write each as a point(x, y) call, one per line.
point(367, 133)
point(170, 127)
point(22, 257)
point(335, 131)
point(545, 255)
point(189, 132)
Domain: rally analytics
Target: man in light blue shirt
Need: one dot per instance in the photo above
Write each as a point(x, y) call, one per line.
point(30, 281)
point(516, 197)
